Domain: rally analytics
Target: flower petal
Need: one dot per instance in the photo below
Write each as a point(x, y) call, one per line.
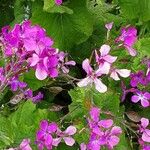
point(43, 125)
point(86, 66)
point(104, 50)
point(84, 82)
point(83, 146)
point(113, 140)
point(94, 113)
point(103, 69)
point(110, 58)
point(71, 130)
point(56, 141)
point(102, 88)
point(131, 50)
point(144, 102)
point(146, 135)
point(34, 60)
point(135, 98)
point(124, 72)
point(41, 73)
point(144, 122)
point(114, 75)
point(69, 141)
point(116, 130)
point(105, 123)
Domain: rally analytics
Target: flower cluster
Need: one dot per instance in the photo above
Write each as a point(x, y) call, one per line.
point(102, 132)
point(50, 135)
point(104, 65)
point(128, 38)
point(145, 132)
point(25, 47)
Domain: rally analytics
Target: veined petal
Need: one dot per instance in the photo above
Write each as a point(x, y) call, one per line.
point(114, 75)
point(87, 67)
point(123, 72)
point(34, 60)
point(131, 50)
point(116, 130)
point(144, 122)
point(41, 73)
point(56, 141)
point(84, 82)
point(105, 123)
point(69, 141)
point(100, 86)
point(71, 130)
point(104, 49)
point(103, 69)
point(110, 58)
point(83, 146)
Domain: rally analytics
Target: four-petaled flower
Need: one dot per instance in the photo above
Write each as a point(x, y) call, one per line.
point(143, 129)
point(144, 97)
point(128, 37)
point(104, 59)
point(92, 77)
point(65, 135)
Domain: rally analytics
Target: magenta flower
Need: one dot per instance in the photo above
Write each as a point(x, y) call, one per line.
point(92, 77)
point(128, 37)
point(109, 26)
point(122, 72)
point(58, 2)
point(45, 64)
point(143, 97)
point(15, 84)
point(43, 136)
point(64, 65)
point(104, 59)
point(138, 78)
point(143, 129)
point(66, 136)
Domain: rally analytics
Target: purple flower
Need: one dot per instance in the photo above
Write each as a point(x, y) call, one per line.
point(37, 98)
point(43, 136)
point(65, 64)
point(144, 97)
point(92, 77)
point(16, 84)
point(109, 26)
point(128, 37)
point(143, 129)
point(58, 2)
point(122, 72)
point(105, 60)
point(66, 136)
point(136, 78)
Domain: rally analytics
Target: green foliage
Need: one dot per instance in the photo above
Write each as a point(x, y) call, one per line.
point(135, 9)
point(23, 123)
point(65, 29)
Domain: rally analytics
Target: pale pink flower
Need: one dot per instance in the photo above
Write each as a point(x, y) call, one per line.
point(92, 77)
point(115, 73)
point(104, 59)
point(109, 26)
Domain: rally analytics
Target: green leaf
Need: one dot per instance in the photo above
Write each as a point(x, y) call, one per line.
point(66, 29)
point(135, 9)
point(32, 81)
point(51, 7)
point(108, 101)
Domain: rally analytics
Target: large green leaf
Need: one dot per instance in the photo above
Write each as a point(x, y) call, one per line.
point(65, 29)
point(135, 9)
